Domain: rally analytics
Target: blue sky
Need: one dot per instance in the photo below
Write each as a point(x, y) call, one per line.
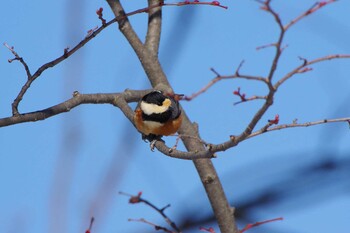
point(56, 174)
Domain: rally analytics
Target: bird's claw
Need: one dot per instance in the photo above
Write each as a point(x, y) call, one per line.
point(153, 144)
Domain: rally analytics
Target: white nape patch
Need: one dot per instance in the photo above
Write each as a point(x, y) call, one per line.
point(149, 109)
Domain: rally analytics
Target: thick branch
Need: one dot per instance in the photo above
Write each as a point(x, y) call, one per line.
point(190, 155)
point(150, 62)
point(222, 210)
point(125, 26)
point(120, 100)
point(205, 168)
point(154, 27)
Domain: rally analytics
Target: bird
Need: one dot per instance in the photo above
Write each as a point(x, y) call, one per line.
point(157, 115)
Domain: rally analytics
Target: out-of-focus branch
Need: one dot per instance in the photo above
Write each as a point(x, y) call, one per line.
point(135, 199)
point(156, 227)
point(251, 225)
point(90, 226)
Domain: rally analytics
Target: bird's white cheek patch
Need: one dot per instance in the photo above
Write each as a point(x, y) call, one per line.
point(152, 108)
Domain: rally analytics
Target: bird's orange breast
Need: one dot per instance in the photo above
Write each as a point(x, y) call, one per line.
point(156, 128)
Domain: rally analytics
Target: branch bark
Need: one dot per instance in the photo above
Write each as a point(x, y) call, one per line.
point(154, 27)
point(119, 100)
point(147, 52)
point(157, 77)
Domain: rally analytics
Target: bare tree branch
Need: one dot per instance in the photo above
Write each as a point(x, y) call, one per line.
point(198, 151)
point(184, 3)
point(205, 168)
point(220, 77)
point(20, 59)
point(125, 27)
point(298, 125)
point(66, 53)
point(268, 128)
point(254, 97)
point(119, 100)
point(315, 7)
point(120, 16)
point(303, 67)
point(267, 7)
point(154, 27)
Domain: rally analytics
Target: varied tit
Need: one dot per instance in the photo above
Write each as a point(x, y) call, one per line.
point(157, 115)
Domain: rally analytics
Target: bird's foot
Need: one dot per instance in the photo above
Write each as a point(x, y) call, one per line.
point(152, 139)
point(153, 144)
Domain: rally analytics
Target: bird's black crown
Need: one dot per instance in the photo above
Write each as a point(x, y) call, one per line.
point(154, 97)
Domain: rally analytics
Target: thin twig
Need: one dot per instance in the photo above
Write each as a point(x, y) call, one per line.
point(254, 97)
point(313, 8)
point(184, 3)
point(67, 53)
point(304, 66)
point(266, 5)
point(220, 77)
point(20, 59)
point(298, 125)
